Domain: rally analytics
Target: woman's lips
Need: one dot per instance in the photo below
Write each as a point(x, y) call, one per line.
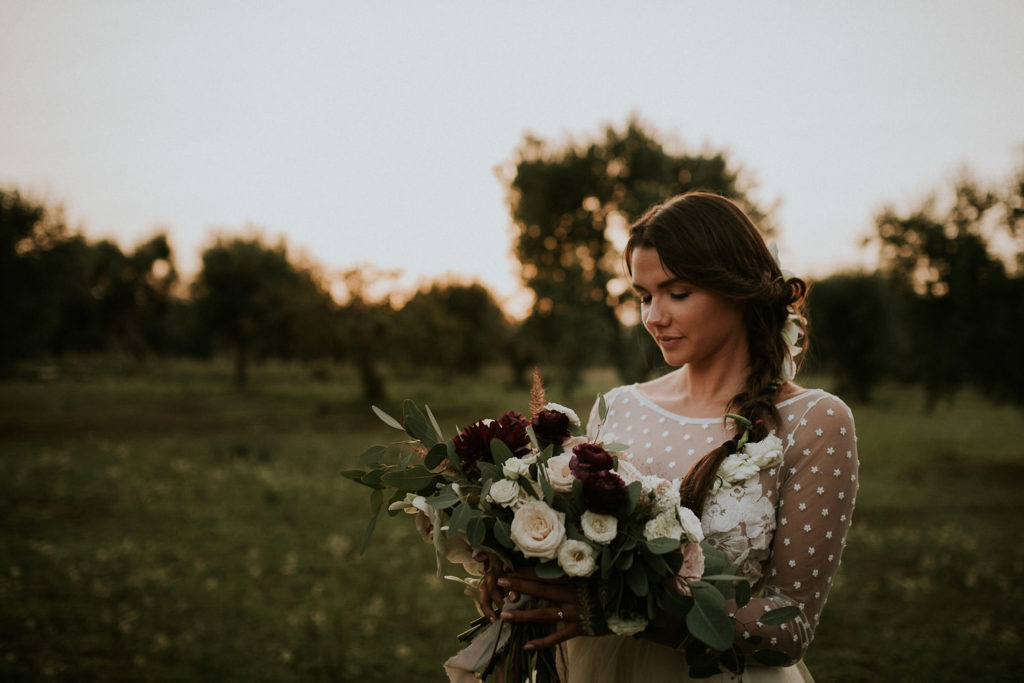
point(668, 341)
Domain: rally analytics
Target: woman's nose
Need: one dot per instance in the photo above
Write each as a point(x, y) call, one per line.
point(656, 316)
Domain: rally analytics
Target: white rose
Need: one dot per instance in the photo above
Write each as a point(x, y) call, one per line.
point(503, 492)
point(666, 493)
point(626, 626)
point(537, 530)
point(691, 525)
point(559, 473)
point(576, 558)
point(665, 525)
point(529, 458)
point(736, 468)
point(515, 468)
point(599, 528)
point(568, 412)
point(766, 452)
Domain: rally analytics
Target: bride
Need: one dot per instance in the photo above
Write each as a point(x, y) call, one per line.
point(726, 317)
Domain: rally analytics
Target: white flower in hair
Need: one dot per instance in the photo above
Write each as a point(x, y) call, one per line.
point(568, 412)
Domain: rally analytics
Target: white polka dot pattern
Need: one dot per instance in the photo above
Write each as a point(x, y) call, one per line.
point(814, 492)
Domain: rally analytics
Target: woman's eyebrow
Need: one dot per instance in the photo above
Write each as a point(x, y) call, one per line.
point(661, 285)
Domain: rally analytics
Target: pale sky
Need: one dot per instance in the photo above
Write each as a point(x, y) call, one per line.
point(368, 132)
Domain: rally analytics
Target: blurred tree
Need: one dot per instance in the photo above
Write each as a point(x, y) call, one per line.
point(253, 297)
point(854, 331)
point(570, 206)
point(455, 327)
point(966, 313)
point(366, 327)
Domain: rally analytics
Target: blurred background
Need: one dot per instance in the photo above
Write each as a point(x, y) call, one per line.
point(226, 230)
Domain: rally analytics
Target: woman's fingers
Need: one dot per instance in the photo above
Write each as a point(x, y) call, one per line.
point(571, 630)
point(545, 590)
point(550, 613)
point(491, 596)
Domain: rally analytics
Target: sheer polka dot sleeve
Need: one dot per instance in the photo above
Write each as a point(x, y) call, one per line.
point(815, 487)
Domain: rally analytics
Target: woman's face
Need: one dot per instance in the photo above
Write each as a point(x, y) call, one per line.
point(691, 325)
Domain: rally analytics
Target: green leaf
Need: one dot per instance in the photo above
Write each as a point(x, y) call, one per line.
point(549, 570)
point(435, 456)
point(615, 447)
point(433, 423)
point(606, 563)
point(376, 501)
point(386, 419)
point(707, 620)
point(625, 561)
point(416, 424)
point(372, 455)
point(490, 471)
point(368, 533)
point(660, 546)
point(460, 518)
point(476, 531)
point(636, 579)
point(742, 593)
point(633, 495)
point(779, 616)
point(443, 500)
point(414, 478)
point(676, 603)
point(453, 457)
point(354, 475)
point(602, 408)
point(503, 533)
point(500, 451)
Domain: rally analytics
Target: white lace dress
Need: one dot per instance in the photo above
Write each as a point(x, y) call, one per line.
point(785, 527)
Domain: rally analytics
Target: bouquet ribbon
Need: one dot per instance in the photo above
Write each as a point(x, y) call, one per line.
point(464, 666)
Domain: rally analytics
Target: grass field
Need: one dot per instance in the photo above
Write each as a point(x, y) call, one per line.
point(159, 526)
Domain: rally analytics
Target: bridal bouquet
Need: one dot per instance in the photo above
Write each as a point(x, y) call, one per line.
point(534, 492)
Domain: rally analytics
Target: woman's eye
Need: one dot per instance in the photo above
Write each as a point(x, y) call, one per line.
point(679, 296)
point(644, 299)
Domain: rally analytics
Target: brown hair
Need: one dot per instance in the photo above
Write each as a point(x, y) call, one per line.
point(708, 241)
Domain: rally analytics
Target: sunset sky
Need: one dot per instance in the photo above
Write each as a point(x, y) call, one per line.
point(369, 132)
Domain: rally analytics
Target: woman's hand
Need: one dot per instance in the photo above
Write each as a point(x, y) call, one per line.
point(562, 606)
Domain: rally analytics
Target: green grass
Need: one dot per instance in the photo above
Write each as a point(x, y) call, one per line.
point(157, 525)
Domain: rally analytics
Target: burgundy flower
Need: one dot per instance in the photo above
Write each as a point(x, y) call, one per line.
point(588, 459)
point(551, 426)
point(474, 444)
point(512, 430)
point(604, 492)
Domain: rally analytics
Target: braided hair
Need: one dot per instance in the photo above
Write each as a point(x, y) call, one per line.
point(708, 241)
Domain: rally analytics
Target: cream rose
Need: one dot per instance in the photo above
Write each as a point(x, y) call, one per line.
point(692, 569)
point(503, 492)
point(515, 468)
point(665, 525)
point(628, 472)
point(691, 525)
point(537, 530)
point(599, 528)
point(576, 558)
point(559, 473)
point(568, 412)
point(736, 468)
point(666, 493)
point(764, 453)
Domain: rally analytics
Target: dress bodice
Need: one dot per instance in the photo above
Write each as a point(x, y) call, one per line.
point(785, 526)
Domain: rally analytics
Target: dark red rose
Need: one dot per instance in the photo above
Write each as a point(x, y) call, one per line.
point(512, 430)
point(551, 426)
point(474, 444)
point(589, 458)
point(604, 492)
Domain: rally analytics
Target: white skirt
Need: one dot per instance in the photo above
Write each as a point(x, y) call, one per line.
point(618, 659)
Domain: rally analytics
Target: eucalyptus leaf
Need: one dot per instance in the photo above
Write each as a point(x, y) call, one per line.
point(416, 424)
point(707, 620)
point(615, 447)
point(372, 455)
point(779, 616)
point(503, 533)
point(632, 496)
point(443, 500)
point(433, 423)
point(476, 531)
point(500, 451)
point(435, 456)
point(490, 471)
point(368, 533)
point(602, 408)
point(376, 501)
point(742, 593)
point(660, 546)
point(414, 478)
point(453, 457)
point(387, 419)
point(461, 515)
